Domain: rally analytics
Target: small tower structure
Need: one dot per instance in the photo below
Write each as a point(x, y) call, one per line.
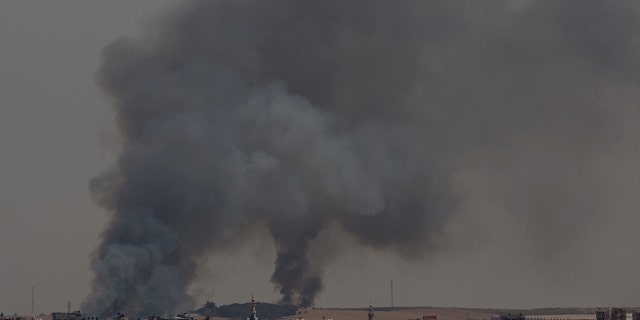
point(253, 315)
point(370, 312)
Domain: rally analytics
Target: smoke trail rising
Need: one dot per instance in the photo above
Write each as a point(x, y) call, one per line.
point(306, 114)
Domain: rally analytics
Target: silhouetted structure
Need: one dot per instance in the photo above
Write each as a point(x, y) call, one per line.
point(254, 315)
point(509, 316)
point(611, 314)
point(76, 315)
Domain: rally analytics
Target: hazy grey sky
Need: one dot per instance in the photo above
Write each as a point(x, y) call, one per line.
point(52, 122)
point(547, 218)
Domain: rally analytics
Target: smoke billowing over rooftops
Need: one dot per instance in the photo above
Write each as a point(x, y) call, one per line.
point(310, 115)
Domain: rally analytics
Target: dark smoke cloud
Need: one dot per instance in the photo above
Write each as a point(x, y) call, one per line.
point(307, 115)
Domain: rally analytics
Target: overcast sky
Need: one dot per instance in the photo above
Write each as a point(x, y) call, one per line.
point(57, 132)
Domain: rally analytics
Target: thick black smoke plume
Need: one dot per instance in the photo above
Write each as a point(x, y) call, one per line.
point(309, 114)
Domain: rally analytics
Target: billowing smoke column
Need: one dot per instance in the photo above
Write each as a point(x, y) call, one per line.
point(307, 115)
point(239, 111)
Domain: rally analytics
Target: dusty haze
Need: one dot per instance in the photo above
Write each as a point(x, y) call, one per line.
point(398, 123)
point(480, 154)
point(395, 122)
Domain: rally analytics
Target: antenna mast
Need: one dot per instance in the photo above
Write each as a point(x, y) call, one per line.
point(391, 293)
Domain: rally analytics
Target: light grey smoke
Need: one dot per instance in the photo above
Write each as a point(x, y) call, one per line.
point(302, 115)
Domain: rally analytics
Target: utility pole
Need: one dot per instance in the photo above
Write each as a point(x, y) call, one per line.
point(391, 293)
point(33, 314)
